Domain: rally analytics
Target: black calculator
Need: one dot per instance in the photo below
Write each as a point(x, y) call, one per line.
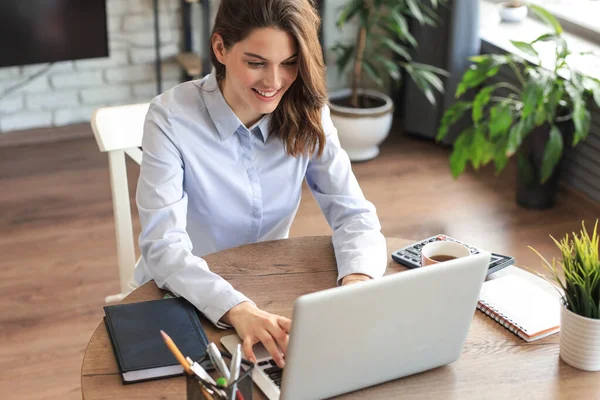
point(410, 256)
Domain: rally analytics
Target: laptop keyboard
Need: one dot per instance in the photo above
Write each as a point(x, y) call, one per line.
point(270, 368)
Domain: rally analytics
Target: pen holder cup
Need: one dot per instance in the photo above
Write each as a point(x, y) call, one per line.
point(200, 389)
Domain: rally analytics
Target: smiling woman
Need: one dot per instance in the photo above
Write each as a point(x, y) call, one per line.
point(261, 70)
point(225, 158)
point(283, 55)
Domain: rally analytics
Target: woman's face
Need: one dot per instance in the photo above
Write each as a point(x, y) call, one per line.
point(259, 70)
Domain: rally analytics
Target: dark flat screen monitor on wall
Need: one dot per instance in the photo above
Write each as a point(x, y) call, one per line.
point(39, 31)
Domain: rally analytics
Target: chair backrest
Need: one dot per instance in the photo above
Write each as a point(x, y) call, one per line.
point(118, 131)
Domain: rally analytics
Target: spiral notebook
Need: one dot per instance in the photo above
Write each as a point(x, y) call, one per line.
point(521, 306)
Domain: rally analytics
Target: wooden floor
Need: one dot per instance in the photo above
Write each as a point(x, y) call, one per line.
point(57, 247)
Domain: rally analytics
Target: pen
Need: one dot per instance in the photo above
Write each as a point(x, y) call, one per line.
point(234, 372)
point(178, 356)
point(201, 373)
point(217, 360)
point(205, 393)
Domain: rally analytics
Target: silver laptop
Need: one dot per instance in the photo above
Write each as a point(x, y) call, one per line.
point(347, 338)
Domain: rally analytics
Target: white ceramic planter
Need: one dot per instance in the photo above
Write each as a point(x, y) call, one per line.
point(579, 341)
point(512, 14)
point(361, 130)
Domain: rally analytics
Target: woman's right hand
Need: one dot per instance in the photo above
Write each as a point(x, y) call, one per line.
point(254, 325)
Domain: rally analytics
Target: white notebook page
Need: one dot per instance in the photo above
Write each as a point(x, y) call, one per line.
point(525, 303)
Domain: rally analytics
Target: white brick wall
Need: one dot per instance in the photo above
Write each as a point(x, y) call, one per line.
point(11, 104)
point(52, 101)
point(75, 80)
point(116, 58)
point(10, 72)
point(106, 94)
point(147, 55)
point(69, 91)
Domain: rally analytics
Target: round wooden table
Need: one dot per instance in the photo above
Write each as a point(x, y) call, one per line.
point(494, 362)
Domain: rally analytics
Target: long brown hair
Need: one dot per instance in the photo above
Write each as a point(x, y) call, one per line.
point(297, 119)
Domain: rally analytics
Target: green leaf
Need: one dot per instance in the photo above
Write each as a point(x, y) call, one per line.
point(581, 116)
point(349, 11)
point(390, 67)
point(431, 68)
point(532, 97)
point(415, 10)
point(371, 70)
point(596, 94)
point(515, 137)
point(430, 15)
point(477, 74)
point(433, 80)
point(525, 170)
point(582, 121)
point(540, 115)
point(500, 157)
point(422, 83)
point(396, 48)
point(595, 89)
point(481, 100)
point(458, 163)
point(500, 120)
point(451, 116)
point(460, 153)
point(525, 48)
point(546, 17)
point(546, 37)
point(344, 53)
point(399, 25)
point(554, 98)
point(562, 49)
point(478, 148)
point(497, 59)
point(552, 153)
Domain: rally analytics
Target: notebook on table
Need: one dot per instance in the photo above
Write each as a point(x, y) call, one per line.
point(521, 306)
point(134, 331)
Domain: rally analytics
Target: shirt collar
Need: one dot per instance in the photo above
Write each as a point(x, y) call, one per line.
point(264, 125)
point(223, 116)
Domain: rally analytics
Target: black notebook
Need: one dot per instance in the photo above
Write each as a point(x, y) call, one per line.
point(134, 331)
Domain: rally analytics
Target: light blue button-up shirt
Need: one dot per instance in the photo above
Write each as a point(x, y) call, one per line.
point(208, 183)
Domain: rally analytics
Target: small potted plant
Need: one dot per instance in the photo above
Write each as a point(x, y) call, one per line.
point(580, 312)
point(532, 119)
point(363, 117)
point(513, 11)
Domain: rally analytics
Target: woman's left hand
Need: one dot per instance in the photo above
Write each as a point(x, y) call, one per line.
point(354, 278)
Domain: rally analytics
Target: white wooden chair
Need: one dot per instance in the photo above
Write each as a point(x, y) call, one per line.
point(118, 131)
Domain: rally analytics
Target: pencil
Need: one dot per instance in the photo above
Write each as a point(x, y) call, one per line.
point(178, 356)
point(206, 395)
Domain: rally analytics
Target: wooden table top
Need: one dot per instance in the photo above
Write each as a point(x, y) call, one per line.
point(494, 362)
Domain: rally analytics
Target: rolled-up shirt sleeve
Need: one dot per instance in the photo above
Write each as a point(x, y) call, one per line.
point(164, 243)
point(357, 240)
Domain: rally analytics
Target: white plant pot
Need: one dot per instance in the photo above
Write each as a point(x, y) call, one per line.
point(579, 340)
point(361, 130)
point(512, 14)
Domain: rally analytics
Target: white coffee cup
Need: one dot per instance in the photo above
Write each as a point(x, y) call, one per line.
point(440, 251)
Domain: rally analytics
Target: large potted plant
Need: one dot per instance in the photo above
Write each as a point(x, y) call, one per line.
point(533, 119)
point(363, 116)
point(580, 290)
